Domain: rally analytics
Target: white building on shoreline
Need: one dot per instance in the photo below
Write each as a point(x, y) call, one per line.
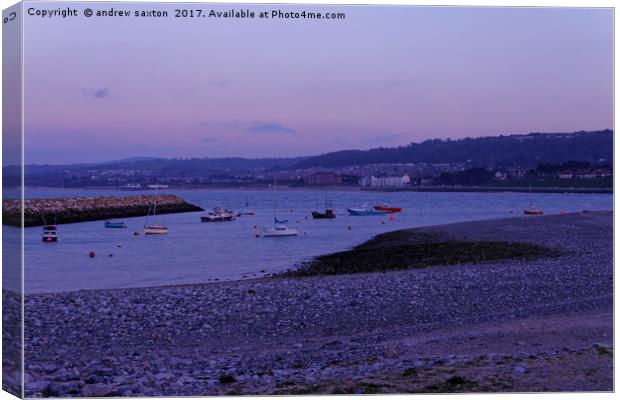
point(384, 181)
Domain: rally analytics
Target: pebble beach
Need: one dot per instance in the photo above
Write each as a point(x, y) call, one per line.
point(514, 325)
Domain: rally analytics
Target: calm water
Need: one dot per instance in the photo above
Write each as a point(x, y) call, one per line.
point(195, 252)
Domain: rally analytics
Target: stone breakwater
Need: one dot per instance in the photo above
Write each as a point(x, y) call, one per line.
point(501, 325)
point(79, 209)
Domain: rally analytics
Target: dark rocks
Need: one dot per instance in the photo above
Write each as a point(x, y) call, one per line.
point(79, 209)
point(386, 252)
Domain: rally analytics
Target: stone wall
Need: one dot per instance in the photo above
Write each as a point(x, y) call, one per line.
point(78, 209)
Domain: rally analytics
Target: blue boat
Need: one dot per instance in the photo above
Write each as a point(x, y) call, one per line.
point(365, 210)
point(109, 224)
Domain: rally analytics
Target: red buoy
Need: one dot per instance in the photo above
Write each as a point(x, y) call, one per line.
point(91, 254)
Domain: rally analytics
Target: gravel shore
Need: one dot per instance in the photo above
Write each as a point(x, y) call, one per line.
point(510, 325)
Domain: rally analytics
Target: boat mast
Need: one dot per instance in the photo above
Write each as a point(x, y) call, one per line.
point(275, 200)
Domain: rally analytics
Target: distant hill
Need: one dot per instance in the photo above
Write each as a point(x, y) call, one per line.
point(165, 166)
point(512, 150)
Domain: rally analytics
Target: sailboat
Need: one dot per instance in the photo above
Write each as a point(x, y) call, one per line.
point(246, 211)
point(531, 210)
point(279, 228)
point(153, 229)
point(329, 211)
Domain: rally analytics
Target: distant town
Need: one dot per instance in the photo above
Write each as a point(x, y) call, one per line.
point(575, 160)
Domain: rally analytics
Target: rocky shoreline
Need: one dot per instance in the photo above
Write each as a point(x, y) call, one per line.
point(541, 324)
point(79, 209)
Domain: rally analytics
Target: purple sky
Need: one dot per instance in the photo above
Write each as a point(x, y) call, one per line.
point(100, 89)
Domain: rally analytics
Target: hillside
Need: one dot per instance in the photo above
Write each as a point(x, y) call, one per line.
point(513, 150)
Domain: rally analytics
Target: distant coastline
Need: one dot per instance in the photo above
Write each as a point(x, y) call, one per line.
point(446, 189)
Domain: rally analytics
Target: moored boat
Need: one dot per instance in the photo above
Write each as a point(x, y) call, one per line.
point(50, 233)
point(280, 230)
point(246, 213)
point(531, 210)
point(119, 225)
point(329, 211)
point(386, 208)
point(365, 210)
point(155, 230)
point(328, 214)
point(218, 215)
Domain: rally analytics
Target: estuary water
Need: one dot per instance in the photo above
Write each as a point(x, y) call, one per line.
point(196, 252)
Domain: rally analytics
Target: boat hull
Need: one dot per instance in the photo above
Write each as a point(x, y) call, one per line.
point(210, 218)
point(359, 212)
point(389, 210)
point(246, 213)
point(155, 230)
point(280, 232)
point(328, 214)
point(533, 212)
point(115, 225)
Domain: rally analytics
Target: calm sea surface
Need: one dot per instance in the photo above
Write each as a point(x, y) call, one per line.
point(194, 252)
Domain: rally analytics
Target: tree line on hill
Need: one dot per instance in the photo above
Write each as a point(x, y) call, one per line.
point(514, 150)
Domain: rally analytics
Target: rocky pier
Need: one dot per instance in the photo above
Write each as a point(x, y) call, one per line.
point(79, 209)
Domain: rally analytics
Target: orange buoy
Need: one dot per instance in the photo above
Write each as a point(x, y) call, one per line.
point(136, 233)
point(258, 235)
point(91, 254)
point(110, 255)
point(349, 227)
point(254, 227)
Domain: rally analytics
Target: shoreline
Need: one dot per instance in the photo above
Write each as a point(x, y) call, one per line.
point(285, 273)
point(291, 273)
point(358, 333)
point(424, 189)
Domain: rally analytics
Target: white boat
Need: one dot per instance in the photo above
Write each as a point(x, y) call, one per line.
point(50, 233)
point(153, 229)
point(279, 229)
point(218, 214)
point(246, 213)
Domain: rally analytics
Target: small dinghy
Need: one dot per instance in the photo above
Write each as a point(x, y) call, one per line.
point(116, 225)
